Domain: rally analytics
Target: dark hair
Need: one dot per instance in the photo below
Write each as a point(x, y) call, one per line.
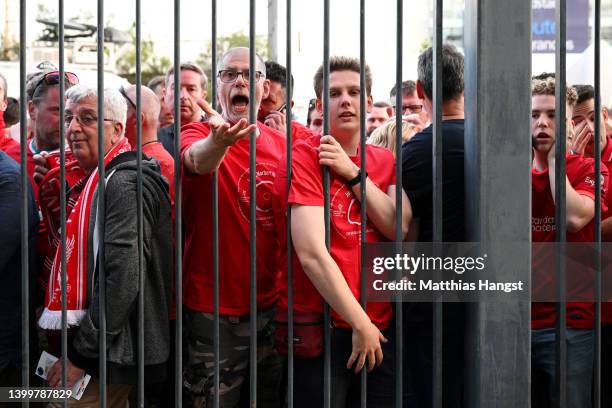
point(4, 85)
point(342, 64)
point(156, 81)
point(276, 72)
point(585, 92)
point(452, 72)
point(312, 104)
point(11, 114)
point(408, 87)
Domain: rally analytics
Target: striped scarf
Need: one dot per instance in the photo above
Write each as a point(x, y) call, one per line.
point(77, 233)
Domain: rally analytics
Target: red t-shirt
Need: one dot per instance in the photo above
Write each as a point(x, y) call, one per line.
point(9, 146)
point(581, 175)
point(299, 132)
point(166, 163)
point(307, 189)
point(234, 216)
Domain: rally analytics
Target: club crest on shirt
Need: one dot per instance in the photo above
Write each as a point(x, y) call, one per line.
point(346, 213)
point(264, 183)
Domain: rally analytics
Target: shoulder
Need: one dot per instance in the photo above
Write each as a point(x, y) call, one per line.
point(306, 147)
point(271, 137)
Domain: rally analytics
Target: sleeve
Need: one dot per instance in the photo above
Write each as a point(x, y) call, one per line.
point(584, 182)
point(191, 133)
point(306, 180)
point(121, 264)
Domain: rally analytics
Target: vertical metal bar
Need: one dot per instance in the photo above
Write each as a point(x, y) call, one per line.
point(496, 54)
point(215, 209)
point(326, 207)
point(437, 196)
point(399, 311)
point(290, 359)
point(362, 184)
point(253, 205)
point(25, 284)
point(62, 149)
point(598, 273)
point(139, 214)
point(560, 216)
point(101, 213)
point(178, 213)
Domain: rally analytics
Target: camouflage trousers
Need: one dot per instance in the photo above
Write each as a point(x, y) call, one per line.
point(234, 333)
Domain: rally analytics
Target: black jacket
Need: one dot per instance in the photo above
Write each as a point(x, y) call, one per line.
point(121, 272)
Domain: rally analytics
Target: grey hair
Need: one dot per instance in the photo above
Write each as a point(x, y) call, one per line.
point(260, 61)
point(115, 106)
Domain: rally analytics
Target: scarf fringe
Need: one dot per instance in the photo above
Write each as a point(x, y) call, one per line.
point(52, 319)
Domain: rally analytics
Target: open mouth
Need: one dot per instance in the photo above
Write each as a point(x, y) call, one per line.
point(240, 103)
point(347, 115)
point(542, 135)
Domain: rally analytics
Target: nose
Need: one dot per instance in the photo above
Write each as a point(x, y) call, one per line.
point(345, 99)
point(72, 126)
point(542, 121)
point(184, 94)
point(240, 80)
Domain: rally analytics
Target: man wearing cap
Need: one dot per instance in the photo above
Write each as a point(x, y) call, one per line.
point(42, 91)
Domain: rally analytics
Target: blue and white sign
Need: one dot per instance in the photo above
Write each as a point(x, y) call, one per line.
point(543, 26)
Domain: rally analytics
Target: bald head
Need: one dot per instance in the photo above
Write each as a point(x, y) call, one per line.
point(149, 106)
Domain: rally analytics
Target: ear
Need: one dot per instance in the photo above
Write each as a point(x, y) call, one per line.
point(3, 105)
point(292, 103)
point(390, 111)
point(319, 105)
point(118, 130)
point(419, 90)
point(604, 113)
point(266, 89)
point(31, 110)
point(369, 103)
point(204, 93)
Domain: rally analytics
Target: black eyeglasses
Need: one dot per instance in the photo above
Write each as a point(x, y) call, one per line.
point(229, 75)
point(412, 109)
point(122, 92)
point(53, 78)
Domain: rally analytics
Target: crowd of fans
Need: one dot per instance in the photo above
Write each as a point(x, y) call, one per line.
point(101, 245)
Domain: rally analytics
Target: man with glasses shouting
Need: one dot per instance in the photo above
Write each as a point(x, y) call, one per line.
point(222, 145)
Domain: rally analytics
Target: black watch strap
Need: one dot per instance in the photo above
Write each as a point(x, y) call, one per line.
point(354, 181)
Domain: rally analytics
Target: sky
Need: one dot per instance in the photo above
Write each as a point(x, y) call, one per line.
point(307, 32)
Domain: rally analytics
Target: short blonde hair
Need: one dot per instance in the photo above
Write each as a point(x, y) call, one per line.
point(547, 87)
point(384, 135)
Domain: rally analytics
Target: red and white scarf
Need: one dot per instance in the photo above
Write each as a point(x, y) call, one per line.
point(77, 233)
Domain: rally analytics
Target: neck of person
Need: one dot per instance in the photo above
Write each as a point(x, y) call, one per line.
point(149, 136)
point(39, 145)
point(540, 160)
point(350, 143)
point(451, 109)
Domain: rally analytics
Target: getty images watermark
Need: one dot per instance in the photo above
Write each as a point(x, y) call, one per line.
point(474, 272)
